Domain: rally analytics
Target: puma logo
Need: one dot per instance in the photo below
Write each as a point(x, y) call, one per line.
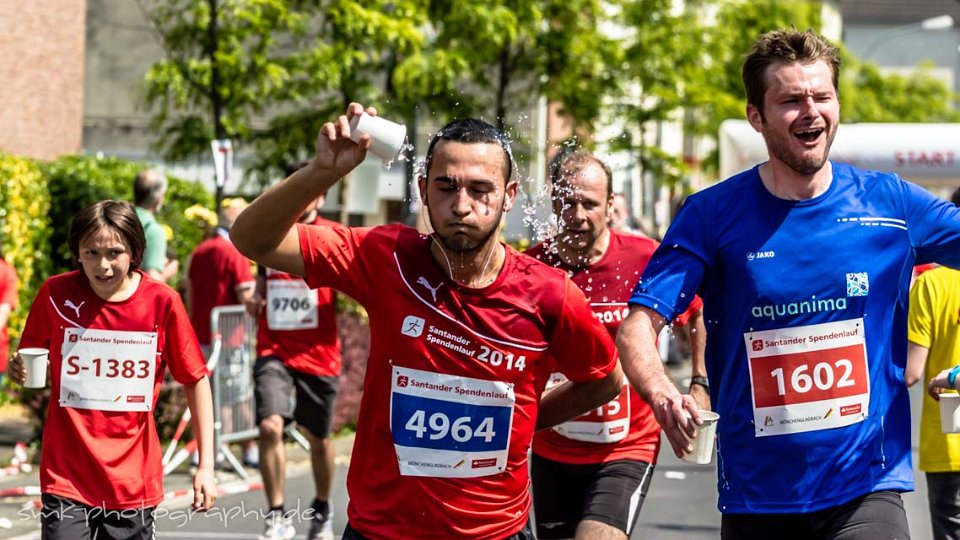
point(433, 290)
point(74, 307)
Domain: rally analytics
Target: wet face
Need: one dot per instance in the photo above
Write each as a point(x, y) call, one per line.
point(105, 260)
point(800, 116)
point(581, 204)
point(466, 193)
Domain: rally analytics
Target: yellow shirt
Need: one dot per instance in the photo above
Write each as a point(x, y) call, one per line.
point(934, 323)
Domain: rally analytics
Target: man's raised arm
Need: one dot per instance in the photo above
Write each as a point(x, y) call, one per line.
point(266, 230)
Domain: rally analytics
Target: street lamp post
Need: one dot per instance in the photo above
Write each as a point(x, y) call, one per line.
point(932, 24)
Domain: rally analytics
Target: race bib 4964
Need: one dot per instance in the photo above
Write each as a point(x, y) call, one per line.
point(808, 378)
point(448, 426)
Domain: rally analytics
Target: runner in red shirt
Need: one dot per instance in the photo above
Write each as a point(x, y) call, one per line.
point(218, 275)
point(298, 353)
point(8, 302)
point(111, 333)
point(465, 332)
point(591, 475)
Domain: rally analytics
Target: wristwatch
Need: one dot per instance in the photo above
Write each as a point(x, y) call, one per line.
point(701, 380)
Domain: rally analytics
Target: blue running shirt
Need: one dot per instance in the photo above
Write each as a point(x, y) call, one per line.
point(805, 304)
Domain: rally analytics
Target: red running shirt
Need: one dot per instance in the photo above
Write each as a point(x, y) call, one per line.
point(299, 325)
point(107, 458)
point(624, 428)
point(216, 270)
point(453, 382)
point(8, 295)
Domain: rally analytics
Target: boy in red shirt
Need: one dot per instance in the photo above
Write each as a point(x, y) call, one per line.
point(111, 333)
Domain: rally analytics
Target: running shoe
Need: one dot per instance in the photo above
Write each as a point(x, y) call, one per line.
point(278, 527)
point(321, 528)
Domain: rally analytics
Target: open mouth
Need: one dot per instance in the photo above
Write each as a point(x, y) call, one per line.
point(808, 135)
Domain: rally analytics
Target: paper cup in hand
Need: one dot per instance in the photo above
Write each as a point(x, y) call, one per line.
point(35, 362)
point(386, 136)
point(950, 412)
point(703, 442)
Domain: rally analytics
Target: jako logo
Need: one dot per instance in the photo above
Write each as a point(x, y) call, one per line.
point(760, 255)
point(402, 381)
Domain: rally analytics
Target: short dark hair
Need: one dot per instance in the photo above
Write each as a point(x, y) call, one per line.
point(569, 157)
point(119, 216)
point(148, 186)
point(786, 46)
point(955, 197)
point(472, 131)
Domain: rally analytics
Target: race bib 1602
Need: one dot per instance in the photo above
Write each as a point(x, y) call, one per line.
point(808, 378)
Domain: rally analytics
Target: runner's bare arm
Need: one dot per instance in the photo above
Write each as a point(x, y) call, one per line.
point(698, 346)
point(916, 359)
point(200, 401)
point(266, 230)
point(637, 344)
point(571, 399)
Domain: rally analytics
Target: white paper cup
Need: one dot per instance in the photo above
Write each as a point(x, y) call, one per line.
point(386, 137)
point(35, 362)
point(950, 412)
point(703, 442)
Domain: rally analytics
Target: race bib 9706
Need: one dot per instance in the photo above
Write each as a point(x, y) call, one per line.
point(291, 305)
point(447, 426)
point(108, 370)
point(808, 378)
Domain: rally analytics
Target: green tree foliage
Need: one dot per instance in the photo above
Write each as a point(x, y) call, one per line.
point(246, 64)
point(77, 181)
point(287, 66)
point(350, 54)
point(25, 228)
point(293, 65)
point(664, 70)
point(867, 95)
point(717, 91)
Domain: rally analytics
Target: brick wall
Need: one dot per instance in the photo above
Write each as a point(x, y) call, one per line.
point(41, 76)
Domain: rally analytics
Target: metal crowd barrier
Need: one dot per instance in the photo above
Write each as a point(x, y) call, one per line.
point(234, 334)
point(232, 354)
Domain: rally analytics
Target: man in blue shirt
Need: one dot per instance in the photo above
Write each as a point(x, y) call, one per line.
point(804, 266)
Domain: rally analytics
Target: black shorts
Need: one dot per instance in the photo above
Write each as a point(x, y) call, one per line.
point(875, 516)
point(565, 494)
point(66, 519)
point(274, 390)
